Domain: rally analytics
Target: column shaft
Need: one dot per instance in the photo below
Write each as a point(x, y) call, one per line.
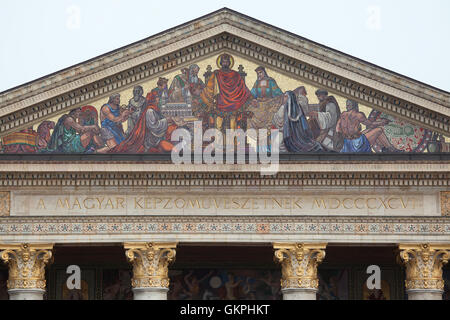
point(26, 294)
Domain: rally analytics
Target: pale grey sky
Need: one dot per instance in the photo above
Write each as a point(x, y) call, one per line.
point(410, 37)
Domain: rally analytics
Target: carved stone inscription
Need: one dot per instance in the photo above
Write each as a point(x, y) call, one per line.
point(188, 203)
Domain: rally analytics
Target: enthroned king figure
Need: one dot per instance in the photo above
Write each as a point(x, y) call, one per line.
point(225, 93)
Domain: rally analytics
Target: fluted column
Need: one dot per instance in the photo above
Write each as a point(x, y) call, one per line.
point(150, 269)
point(299, 263)
point(423, 264)
point(26, 264)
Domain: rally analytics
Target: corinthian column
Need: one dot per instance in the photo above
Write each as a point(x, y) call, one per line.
point(424, 270)
point(26, 264)
point(150, 269)
point(299, 263)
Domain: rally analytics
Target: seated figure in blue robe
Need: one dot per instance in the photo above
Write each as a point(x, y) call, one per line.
point(111, 117)
point(356, 140)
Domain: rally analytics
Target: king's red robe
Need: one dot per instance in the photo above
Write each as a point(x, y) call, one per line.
point(230, 89)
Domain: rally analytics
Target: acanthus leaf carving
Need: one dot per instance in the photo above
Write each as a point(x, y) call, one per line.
point(424, 264)
point(299, 263)
point(27, 264)
point(150, 263)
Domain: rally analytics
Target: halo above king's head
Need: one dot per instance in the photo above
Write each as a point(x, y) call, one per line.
point(219, 60)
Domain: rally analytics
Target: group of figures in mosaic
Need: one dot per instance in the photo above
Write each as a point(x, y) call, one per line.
point(214, 284)
point(222, 101)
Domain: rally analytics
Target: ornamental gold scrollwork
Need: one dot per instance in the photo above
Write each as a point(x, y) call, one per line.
point(445, 203)
point(27, 264)
point(424, 264)
point(299, 263)
point(5, 203)
point(150, 263)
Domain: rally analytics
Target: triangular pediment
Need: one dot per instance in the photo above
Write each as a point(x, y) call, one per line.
point(419, 113)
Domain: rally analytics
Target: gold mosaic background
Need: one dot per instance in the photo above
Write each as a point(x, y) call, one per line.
point(285, 83)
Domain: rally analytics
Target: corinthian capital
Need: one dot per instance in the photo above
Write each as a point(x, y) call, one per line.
point(26, 264)
point(423, 264)
point(299, 263)
point(150, 263)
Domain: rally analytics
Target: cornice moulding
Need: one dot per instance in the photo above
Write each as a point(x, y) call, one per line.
point(345, 166)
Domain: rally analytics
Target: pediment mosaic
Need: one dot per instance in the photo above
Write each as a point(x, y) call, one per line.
point(224, 91)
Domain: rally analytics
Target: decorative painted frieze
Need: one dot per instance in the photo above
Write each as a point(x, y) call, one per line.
point(374, 228)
